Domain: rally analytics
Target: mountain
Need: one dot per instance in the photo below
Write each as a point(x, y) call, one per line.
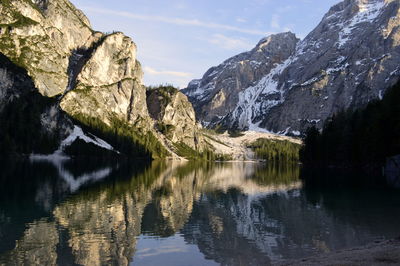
point(63, 82)
point(349, 59)
point(216, 95)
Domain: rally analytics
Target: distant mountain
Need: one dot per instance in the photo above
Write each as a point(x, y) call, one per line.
point(285, 85)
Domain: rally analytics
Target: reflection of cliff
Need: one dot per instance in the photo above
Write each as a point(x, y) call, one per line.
point(38, 246)
point(233, 227)
point(101, 223)
point(254, 179)
point(101, 230)
point(236, 213)
point(96, 225)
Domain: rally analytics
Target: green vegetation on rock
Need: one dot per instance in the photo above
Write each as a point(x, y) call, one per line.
point(206, 155)
point(125, 138)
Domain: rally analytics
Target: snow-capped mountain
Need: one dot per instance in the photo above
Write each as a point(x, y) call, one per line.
point(217, 93)
point(350, 58)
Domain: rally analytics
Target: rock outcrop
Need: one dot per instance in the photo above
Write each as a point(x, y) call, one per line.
point(349, 59)
point(109, 84)
point(90, 75)
point(175, 116)
point(14, 82)
point(40, 37)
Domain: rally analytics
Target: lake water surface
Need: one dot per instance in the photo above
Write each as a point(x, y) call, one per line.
point(166, 213)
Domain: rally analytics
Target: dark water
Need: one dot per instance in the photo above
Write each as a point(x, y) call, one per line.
point(88, 213)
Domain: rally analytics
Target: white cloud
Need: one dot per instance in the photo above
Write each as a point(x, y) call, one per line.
point(154, 77)
point(176, 21)
point(230, 43)
point(152, 71)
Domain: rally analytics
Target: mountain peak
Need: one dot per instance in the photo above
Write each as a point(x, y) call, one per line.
point(349, 59)
point(277, 39)
point(350, 8)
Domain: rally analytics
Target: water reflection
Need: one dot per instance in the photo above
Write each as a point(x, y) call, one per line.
point(179, 214)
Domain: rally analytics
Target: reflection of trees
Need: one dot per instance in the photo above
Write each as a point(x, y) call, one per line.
point(373, 209)
point(95, 219)
point(236, 213)
point(276, 174)
point(100, 223)
point(285, 224)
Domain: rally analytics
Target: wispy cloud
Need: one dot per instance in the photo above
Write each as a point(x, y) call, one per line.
point(275, 22)
point(152, 71)
point(241, 20)
point(175, 21)
point(229, 43)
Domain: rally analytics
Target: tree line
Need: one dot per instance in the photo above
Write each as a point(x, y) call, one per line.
point(365, 137)
point(124, 138)
point(276, 150)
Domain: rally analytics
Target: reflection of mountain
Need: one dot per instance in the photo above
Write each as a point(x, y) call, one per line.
point(235, 213)
point(38, 246)
point(285, 225)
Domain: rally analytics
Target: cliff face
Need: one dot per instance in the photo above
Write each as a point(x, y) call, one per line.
point(89, 74)
point(217, 94)
point(109, 84)
point(40, 36)
point(175, 116)
point(349, 59)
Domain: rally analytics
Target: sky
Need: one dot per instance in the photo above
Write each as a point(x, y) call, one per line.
point(178, 40)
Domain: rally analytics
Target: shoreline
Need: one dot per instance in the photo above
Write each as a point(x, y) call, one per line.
point(385, 252)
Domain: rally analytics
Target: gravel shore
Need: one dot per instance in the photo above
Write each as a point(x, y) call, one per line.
point(378, 253)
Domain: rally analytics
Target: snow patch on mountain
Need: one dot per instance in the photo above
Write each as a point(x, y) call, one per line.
point(77, 133)
point(249, 104)
point(368, 12)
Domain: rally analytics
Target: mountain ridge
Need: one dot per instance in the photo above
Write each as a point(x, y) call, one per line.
point(348, 60)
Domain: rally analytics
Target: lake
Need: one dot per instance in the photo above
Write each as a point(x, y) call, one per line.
point(174, 213)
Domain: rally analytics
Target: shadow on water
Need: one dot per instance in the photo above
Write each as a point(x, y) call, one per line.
point(174, 213)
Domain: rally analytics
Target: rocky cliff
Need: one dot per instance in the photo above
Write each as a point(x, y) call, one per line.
point(109, 85)
point(175, 116)
point(49, 48)
point(217, 94)
point(40, 37)
point(349, 59)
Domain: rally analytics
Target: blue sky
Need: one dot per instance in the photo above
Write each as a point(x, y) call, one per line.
point(178, 40)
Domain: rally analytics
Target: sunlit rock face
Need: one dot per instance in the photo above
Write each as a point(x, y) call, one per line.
point(109, 84)
point(93, 74)
point(349, 59)
point(175, 116)
point(40, 37)
point(89, 74)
